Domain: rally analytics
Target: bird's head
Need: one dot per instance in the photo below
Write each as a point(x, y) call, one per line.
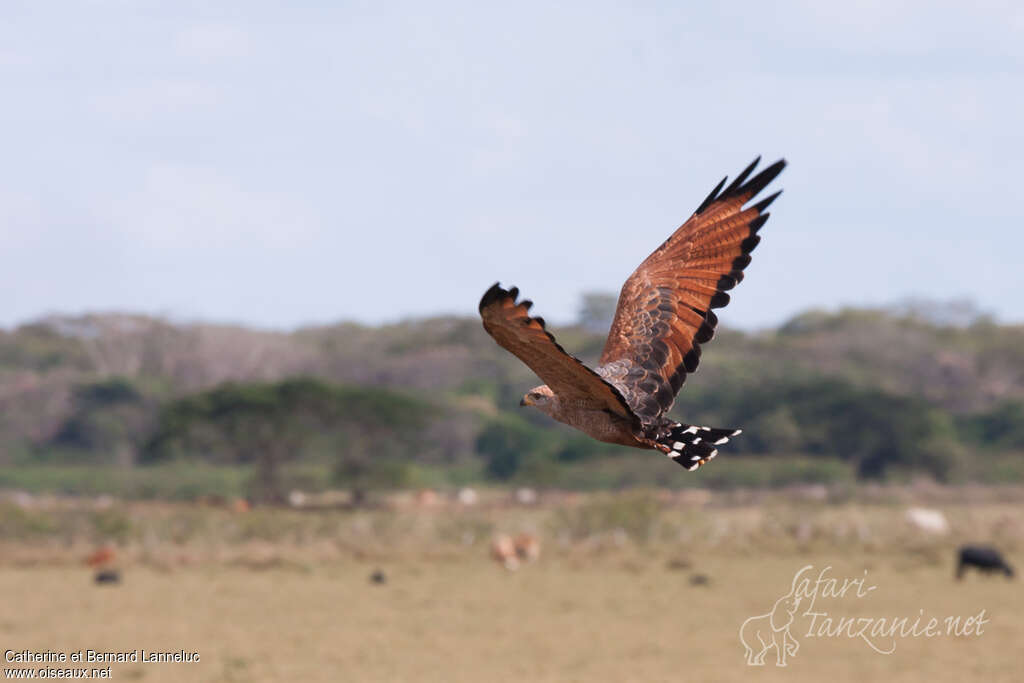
point(540, 397)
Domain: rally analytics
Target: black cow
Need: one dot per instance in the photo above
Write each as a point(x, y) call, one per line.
point(110, 576)
point(982, 558)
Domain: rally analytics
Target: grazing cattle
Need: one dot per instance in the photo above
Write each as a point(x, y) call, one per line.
point(526, 496)
point(101, 557)
point(467, 496)
point(107, 576)
point(929, 521)
point(427, 498)
point(982, 558)
point(527, 547)
point(503, 551)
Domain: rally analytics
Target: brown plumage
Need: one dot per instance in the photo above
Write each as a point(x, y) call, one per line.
point(663, 316)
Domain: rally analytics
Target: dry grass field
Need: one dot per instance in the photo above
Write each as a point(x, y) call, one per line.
point(281, 595)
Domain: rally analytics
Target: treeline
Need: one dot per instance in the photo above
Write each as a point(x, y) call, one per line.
point(878, 435)
point(371, 437)
point(865, 394)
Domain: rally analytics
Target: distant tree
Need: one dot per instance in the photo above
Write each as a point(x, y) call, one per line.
point(385, 432)
point(577, 448)
point(774, 431)
point(506, 442)
point(270, 424)
point(42, 346)
point(953, 313)
point(109, 419)
point(597, 309)
point(808, 322)
point(1001, 427)
point(874, 430)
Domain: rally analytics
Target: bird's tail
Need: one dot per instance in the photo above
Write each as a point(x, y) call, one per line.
point(692, 446)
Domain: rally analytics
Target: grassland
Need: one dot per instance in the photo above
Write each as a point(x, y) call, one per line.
point(275, 594)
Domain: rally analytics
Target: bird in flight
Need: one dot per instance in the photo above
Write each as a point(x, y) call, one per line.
point(663, 316)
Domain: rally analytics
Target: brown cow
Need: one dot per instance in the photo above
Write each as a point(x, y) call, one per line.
point(527, 547)
point(503, 551)
point(102, 557)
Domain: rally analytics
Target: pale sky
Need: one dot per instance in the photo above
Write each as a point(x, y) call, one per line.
point(280, 164)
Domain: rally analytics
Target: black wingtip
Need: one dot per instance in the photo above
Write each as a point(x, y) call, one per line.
point(767, 201)
point(705, 333)
point(759, 222)
point(719, 300)
point(495, 293)
point(747, 245)
point(740, 262)
point(742, 177)
point(761, 180)
point(740, 185)
point(711, 197)
point(725, 283)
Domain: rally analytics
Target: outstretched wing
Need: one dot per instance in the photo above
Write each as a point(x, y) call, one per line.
point(512, 327)
point(664, 311)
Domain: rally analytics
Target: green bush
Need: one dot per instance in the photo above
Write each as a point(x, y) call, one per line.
point(1001, 427)
point(506, 441)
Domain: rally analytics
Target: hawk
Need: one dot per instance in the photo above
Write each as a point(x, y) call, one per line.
point(663, 316)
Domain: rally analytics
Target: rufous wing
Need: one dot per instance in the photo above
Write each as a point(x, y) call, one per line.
point(664, 310)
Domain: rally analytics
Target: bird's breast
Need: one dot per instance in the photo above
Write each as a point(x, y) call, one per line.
point(601, 425)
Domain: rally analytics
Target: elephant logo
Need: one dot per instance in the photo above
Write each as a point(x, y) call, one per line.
point(766, 631)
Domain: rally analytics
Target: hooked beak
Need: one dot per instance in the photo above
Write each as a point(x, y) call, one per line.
point(525, 402)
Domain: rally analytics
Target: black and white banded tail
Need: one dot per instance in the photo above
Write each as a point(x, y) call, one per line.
point(693, 446)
